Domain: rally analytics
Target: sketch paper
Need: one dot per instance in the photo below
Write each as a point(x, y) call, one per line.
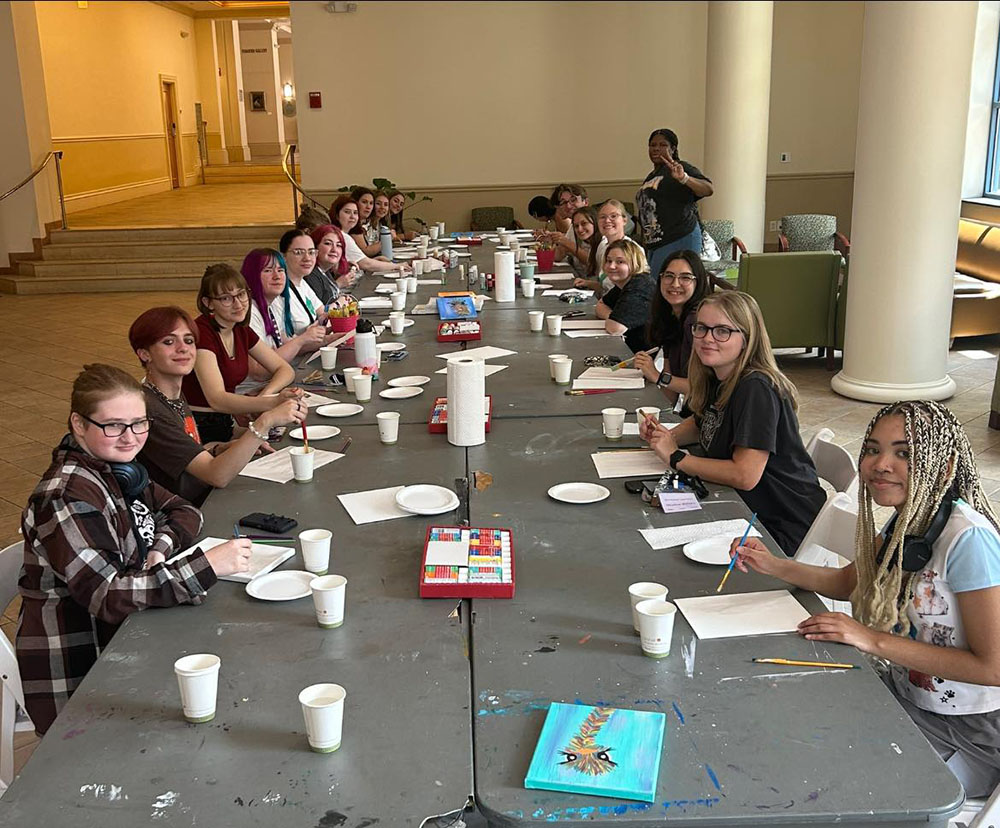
point(582, 324)
point(263, 558)
point(483, 352)
point(490, 369)
point(588, 333)
point(373, 506)
point(668, 536)
point(740, 614)
point(624, 378)
point(627, 464)
point(277, 467)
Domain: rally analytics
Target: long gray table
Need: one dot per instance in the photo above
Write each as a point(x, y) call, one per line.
point(745, 744)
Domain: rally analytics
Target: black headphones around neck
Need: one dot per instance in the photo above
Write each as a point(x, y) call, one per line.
point(132, 478)
point(918, 549)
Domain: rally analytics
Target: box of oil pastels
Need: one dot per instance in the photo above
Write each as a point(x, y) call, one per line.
point(467, 562)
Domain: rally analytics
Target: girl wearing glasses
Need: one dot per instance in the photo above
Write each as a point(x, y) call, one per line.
point(225, 344)
point(625, 308)
point(743, 420)
point(683, 284)
point(97, 534)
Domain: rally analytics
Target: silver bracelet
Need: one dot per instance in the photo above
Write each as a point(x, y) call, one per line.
point(251, 425)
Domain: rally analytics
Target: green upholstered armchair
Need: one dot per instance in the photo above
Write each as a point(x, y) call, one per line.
point(797, 293)
point(490, 218)
point(811, 232)
point(723, 233)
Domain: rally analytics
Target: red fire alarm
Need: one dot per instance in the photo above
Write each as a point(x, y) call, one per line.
point(315, 100)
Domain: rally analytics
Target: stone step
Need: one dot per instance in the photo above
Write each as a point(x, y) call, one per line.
point(150, 234)
point(222, 250)
point(123, 267)
point(25, 285)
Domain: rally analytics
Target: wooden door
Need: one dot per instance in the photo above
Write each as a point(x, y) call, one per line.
point(170, 122)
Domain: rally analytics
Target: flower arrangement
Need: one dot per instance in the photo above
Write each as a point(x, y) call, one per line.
point(343, 306)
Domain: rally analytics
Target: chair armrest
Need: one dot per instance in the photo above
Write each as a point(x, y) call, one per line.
point(842, 244)
point(738, 245)
point(782, 243)
point(518, 225)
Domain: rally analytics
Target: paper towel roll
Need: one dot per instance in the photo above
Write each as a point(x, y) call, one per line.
point(503, 268)
point(466, 392)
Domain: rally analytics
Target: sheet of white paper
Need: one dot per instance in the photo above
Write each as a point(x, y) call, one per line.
point(559, 277)
point(600, 372)
point(582, 324)
point(627, 464)
point(632, 429)
point(624, 378)
point(668, 536)
point(373, 302)
point(588, 334)
point(741, 614)
point(312, 400)
point(263, 558)
point(586, 294)
point(373, 505)
point(483, 352)
point(491, 368)
point(447, 553)
point(428, 281)
point(277, 467)
point(679, 502)
point(386, 287)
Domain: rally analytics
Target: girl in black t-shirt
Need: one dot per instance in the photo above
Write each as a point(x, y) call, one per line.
point(625, 308)
point(744, 420)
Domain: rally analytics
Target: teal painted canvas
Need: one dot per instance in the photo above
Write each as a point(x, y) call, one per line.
point(601, 751)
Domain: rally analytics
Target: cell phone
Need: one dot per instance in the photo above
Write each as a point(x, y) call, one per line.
point(637, 486)
point(276, 524)
point(395, 356)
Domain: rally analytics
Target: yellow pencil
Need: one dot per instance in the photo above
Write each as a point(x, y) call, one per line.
point(792, 663)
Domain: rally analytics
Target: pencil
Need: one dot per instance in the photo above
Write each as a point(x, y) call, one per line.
point(793, 663)
point(732, 563)
point(586, 391)
point(625, 363)
point(267, 538)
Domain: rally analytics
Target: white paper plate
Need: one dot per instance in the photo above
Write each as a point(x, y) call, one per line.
point(404, 254)
point(400, 393)
point(579, 493)
point(406, 323)
point(281, 586)
point(391, 346)
point(385, 288)
point(713, 551)
point(462, 255)
point(426, 500)
point(340, 410)
point(315, 432)
point(542, 287)
point(405, 382)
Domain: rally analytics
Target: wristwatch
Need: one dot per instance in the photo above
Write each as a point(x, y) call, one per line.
point(664, 379)
point(676, 458)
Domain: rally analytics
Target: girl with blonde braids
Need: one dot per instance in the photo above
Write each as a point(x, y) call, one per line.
point(925, 590)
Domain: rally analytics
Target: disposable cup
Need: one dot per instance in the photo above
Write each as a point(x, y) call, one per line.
point(536, 319)
point(198, 679)
point(418, 267)
point(328, 357)
point(303, 460)
point(401, 284)
point(614, 422)
point(433, 231)
point(328, 598)
point(411, 284)
point(422, 250)
point(315, 545)
point(553, 322)
point(398, 299)
point(388, 426)
point(396, 324)
point(505, 239)
point(363, 387)
point(552, 368)
point(440, 228)
point(527, 288)
point(323, 710)
point(563, 369)
point(349, 375)
point(656, 626)
point(527, 271)
point(514, 244)
point(522, 255)
point(644, 591)
point(501, 230)
point(640, 413)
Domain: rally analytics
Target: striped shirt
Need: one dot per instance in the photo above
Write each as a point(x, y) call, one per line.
point(83, 571)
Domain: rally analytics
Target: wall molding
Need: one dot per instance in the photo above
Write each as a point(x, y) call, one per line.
point(84, 139)
point(810, 176)
point(120, 192)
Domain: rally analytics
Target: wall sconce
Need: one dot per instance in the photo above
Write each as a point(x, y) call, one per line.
point(286, 91)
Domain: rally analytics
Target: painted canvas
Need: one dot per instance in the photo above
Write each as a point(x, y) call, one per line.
point(602, 751)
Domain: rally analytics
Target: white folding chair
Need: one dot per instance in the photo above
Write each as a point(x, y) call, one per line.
point(979, 813)
point(11, 558)
point(833, 463)
point(830, 539)
point(11, 693)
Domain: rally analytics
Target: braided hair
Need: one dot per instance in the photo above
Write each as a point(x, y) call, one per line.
point(941, 465)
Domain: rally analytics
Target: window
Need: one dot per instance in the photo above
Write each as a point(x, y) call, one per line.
point(991, 187)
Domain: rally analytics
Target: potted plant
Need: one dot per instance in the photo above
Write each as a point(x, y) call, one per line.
point(546, 253)
point(343, 313)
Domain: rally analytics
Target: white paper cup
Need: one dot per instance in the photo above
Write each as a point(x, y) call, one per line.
point(552, 368)
point(328, 357)
point(363, 387)
point(501, 230)
point(433, 231)
point(563, 370)
point(422, 250)
point(536, 319)
point(646, 409)
point(396, 324)
point(398, 299)
point(505, 239)
point(418, 267)
point(303, 460)
point(401, 284)
point(198, 679)
point(656, 626)
point(323, 710)
point(644, 591)
point(440, 228)
point(527, 288)
point(388, 426)
point(614, 422)
point(349, 375)
point(553, 323)
point(522, 255)
point(328, 597)
point(315, 545)
point(411, 284)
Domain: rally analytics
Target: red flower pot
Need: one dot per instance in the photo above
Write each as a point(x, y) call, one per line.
point(546, 258)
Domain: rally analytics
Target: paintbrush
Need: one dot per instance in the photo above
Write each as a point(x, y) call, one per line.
point(347, 444)
point(236, 531)
point(587, 391)
point(571, 314)
point(626, 448)
point(625, 363)
point(305, 438)
point(732, 563)
point(789, 662)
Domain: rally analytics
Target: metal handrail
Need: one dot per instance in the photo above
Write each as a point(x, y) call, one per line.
point(57, 154)
point(296, 189)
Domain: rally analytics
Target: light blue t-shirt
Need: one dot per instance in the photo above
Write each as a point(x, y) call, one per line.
point(974, 560)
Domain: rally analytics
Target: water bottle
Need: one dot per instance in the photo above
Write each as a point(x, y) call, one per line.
point(365, 351)
point(385, 236)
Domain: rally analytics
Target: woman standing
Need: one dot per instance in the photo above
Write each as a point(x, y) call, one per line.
point(97, 534)
point(625, 308)
point(744, 420)
point(667, 201)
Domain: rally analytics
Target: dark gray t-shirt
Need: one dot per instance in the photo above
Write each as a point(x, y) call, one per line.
point(170, 448)
point(667, 209)
point(630, 307)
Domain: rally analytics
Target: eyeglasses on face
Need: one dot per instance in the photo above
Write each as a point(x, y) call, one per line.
point(228, 298)
point(303, 251)
point(118, 429)
point(681, 278)
point(611, 216)
point(720, 333)
point(567, 202)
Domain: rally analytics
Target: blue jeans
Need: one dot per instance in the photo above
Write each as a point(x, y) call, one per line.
point(658, 258)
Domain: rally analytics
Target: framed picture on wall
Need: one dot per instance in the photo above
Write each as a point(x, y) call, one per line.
point(258, 102)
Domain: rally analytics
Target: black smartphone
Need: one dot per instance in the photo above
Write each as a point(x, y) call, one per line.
point(276, 524)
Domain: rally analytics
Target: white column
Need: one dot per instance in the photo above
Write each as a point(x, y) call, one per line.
point(915, 76)
point(737, 100)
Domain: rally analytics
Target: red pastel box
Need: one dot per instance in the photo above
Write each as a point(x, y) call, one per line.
point(460, 331)
point(437, 423)
point(467, 562)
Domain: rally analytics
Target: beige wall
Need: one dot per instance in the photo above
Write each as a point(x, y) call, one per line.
point(102, 67)
point(286, 70)
point(258, 50)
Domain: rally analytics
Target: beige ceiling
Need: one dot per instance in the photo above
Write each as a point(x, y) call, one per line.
point(228, 9)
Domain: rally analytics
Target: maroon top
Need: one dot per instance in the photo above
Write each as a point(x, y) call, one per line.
point(233, 369)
